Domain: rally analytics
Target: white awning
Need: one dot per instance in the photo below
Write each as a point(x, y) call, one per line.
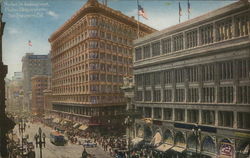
point(136, 140)
point(178, 149)
point(83, 127)
point(156, 139)
point(164, 147)
point(75, 125)
point(56, 120)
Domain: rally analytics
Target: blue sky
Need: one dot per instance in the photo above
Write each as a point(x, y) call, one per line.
point(36, 20)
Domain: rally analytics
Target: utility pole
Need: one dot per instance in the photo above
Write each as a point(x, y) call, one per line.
point(6, 124)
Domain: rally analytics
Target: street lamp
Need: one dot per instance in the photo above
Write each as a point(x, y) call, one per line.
point(21, 127)
point(128, 122)
point(197, 132)
point(40, 140)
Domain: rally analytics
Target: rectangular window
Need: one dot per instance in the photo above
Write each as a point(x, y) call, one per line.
point(146, 79)
point(157, 78)
point(157, 96)
point(179, 95)
point(191, 38)
point(168, 95)
point(193, 116)
point(148, 112)
point(206, 34)
point(178, 42)
point(208, 94)
point(242, 24)
point(179, 75)
point(244, 94)
point(226, 95)
point(193, 94)
point(138, 54)
point(147, 95)
point(193, 74)
point(179, 114)
point(225, 118)
point(157, 113)
point(167, 114)
point(138, 96)
point(156, 48)
point(138, 80)
point(208, 72)
point(208, 117)
point(224, 29)
point(146, 51)
point(168, 76)
point(243, 120)
point(244, 68)
point(166, 45)
point(226, 70)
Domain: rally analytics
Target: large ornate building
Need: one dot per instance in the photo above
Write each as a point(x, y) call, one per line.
point(91, 53)
point(193, 85)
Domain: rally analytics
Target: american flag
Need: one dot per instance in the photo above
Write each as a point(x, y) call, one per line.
point(30, 43)
point(141, 12)
point(189, 9)
point(180, 10)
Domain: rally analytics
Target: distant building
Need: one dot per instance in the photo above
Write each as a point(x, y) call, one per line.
point(33, 65)
point(48, 98)
point(14, 96)
point(196, 72)
point(91, 53)
point(39, 84)
point(18, 76)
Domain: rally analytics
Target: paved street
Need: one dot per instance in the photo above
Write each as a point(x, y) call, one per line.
point(51, 151)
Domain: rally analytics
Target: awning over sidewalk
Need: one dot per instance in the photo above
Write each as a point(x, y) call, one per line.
point(76, 125)
point(136, 140)
point(178, 149)
point(164, 147)
point(56, 120)
point(83, 127)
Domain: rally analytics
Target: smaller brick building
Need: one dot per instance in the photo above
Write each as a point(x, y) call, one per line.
point(38, 84)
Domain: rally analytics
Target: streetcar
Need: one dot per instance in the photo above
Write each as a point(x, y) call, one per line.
point(57, 138)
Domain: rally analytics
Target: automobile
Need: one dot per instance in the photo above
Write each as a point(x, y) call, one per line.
point(89, 144)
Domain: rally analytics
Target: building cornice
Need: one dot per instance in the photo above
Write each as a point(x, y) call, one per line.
point(95, 7)
point(210, 16)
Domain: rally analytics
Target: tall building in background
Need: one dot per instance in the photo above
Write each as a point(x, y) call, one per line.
point(33, 65)
point(38, 83)
point(18, 76)
point(91, 53)
point(193, 85)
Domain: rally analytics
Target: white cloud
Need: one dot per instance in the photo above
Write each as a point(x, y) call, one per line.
point(53, 14)
point(13, 31)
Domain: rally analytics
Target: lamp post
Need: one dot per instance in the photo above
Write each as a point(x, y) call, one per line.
point(128, 122)
point(40, 140)
point(197, 132)
point(21, 127)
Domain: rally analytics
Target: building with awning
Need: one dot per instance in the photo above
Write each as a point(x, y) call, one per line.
point(76, 125)
point(156, 139)
point(56, 120)
point(164, 147)
point(83, 127)
point(136, 141)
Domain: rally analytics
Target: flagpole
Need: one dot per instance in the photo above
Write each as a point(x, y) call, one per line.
point(138, 25)
point(188, 10)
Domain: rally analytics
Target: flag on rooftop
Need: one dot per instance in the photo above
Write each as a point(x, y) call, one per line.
point(141, 12)
point(30, 43)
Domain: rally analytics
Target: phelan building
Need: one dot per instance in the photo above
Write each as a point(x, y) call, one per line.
point(90, 54)
point(193, 85)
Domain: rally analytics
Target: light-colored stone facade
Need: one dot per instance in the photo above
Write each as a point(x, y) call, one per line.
point(91, 53)
point(197, 72)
